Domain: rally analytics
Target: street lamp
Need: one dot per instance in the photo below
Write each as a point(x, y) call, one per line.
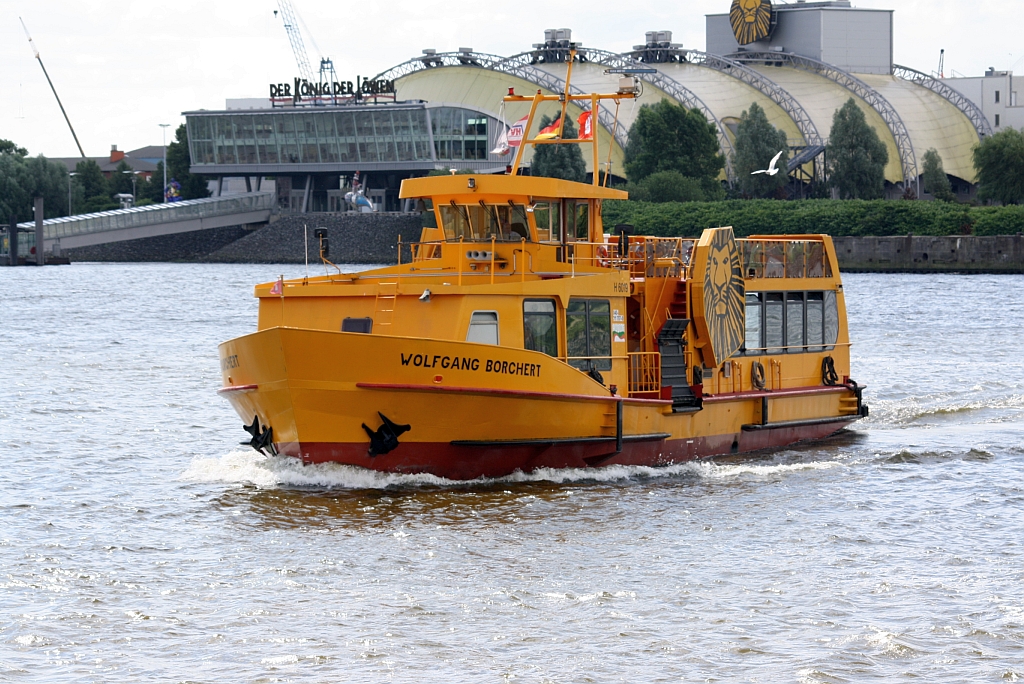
point(164, 126)
point(134, 173)
point(70, 174)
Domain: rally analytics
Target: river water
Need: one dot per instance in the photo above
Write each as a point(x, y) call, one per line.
point(139, 542)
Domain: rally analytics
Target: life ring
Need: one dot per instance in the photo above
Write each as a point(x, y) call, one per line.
point(602, 256)
point(828, 371)
point(757, 375)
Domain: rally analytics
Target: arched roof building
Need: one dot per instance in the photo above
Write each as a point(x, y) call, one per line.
point(447, 110)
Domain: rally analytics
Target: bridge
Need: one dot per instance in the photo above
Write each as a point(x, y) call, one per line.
point(85, 230)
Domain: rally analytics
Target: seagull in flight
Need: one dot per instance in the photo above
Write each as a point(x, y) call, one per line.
point(771, 170)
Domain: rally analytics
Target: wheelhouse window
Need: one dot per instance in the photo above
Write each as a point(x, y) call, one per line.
point(483, 327)
point(547, 217)
point(506, 222)
point(579, 217)
point(588, 336)
point(540, 329)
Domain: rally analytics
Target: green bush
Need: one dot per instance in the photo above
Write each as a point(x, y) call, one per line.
point(834, 217)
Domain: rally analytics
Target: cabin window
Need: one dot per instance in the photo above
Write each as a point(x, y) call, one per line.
point(753, 342)
point(483, 327)
point(791, 321)
point(540, 330)
point(580, 220)
point(506, 222)
point(547, 217)
point(794, 322)
point(588, 337)
point(774, 331)
point(831, 319)
point(815, 321)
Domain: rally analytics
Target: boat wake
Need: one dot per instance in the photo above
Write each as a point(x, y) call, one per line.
point(268, 472)
point(911, 411)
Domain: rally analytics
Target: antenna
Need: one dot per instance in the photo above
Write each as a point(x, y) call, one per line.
point(942, 63)
point(40, 59)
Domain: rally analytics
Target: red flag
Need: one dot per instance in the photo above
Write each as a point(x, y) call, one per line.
point(550, 132)
point(278, 288)
point(586, 126)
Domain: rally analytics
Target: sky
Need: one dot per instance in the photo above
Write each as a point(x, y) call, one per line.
point(122, 67)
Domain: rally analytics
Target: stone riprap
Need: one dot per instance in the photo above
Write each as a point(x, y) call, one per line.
point(352, 238)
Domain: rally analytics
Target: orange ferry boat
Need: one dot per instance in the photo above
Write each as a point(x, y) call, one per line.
point(519, 334)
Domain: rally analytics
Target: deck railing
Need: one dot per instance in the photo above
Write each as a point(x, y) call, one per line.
point(644, 372)
point(770, 258)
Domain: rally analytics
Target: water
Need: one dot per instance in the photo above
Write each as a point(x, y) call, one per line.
point(140, 543)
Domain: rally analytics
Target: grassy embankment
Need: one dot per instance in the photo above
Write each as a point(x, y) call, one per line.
point(835, 217)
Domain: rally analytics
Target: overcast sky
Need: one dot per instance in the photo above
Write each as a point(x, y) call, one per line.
point(123, 67)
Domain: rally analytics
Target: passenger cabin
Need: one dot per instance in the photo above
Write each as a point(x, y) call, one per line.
point(528, 263)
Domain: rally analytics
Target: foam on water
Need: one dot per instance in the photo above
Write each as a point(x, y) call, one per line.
point(251, 468)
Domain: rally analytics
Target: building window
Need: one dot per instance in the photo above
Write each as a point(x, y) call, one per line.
point(1013, 99)
point(483, 327)
point(588, 334)
point(540, 331)
point(997, 97)
point(997, 120)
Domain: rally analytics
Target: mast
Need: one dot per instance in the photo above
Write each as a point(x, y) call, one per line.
point(59, 104)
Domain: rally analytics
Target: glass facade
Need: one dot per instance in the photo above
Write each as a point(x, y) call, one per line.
point(356, 135)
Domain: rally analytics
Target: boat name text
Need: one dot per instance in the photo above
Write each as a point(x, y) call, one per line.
point(531, 370)
point(229, 362)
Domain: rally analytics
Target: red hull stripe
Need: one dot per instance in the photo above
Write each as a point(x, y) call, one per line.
point(470, 462)
point(507, 393)
point(237, 388)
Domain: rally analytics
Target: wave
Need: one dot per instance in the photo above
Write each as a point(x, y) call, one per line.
point(906, 411)
point(252, 468)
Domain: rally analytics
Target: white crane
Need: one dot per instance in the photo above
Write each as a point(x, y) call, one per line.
point(291, 26)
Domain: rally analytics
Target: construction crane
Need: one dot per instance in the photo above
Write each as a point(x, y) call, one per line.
point(291, 26)
point(942, 63)
point(40, 60)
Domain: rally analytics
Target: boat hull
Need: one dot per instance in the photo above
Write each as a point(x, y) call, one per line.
point(482, 411)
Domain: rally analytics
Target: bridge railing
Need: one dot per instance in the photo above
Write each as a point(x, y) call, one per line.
point(119, 219)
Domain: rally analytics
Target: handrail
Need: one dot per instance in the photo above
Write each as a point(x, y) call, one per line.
point(120, 219)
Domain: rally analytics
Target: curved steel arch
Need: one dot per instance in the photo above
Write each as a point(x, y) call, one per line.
point(526, 71)
point(754, 79)
point(954, 96)
point(659, 80)
point(904, 145)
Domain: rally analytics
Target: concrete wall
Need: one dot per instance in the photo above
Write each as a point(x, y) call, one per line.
point(982, 91)
point(928, 254)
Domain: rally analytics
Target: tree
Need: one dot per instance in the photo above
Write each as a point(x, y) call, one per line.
point(856, 157)
point(23, 178)
point(559, 161)
point(667, 186)
point(669, 137)
point(757, 143)
point(8, 147)
point(193, 186)
point(96, 190)
point(935, 179)
point(999, 160)
point(152, 189)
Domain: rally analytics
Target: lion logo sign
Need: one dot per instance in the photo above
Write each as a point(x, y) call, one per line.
point(719, 292)
point(751, 20)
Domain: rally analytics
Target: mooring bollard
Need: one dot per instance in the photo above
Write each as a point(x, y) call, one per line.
point(40, 246)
